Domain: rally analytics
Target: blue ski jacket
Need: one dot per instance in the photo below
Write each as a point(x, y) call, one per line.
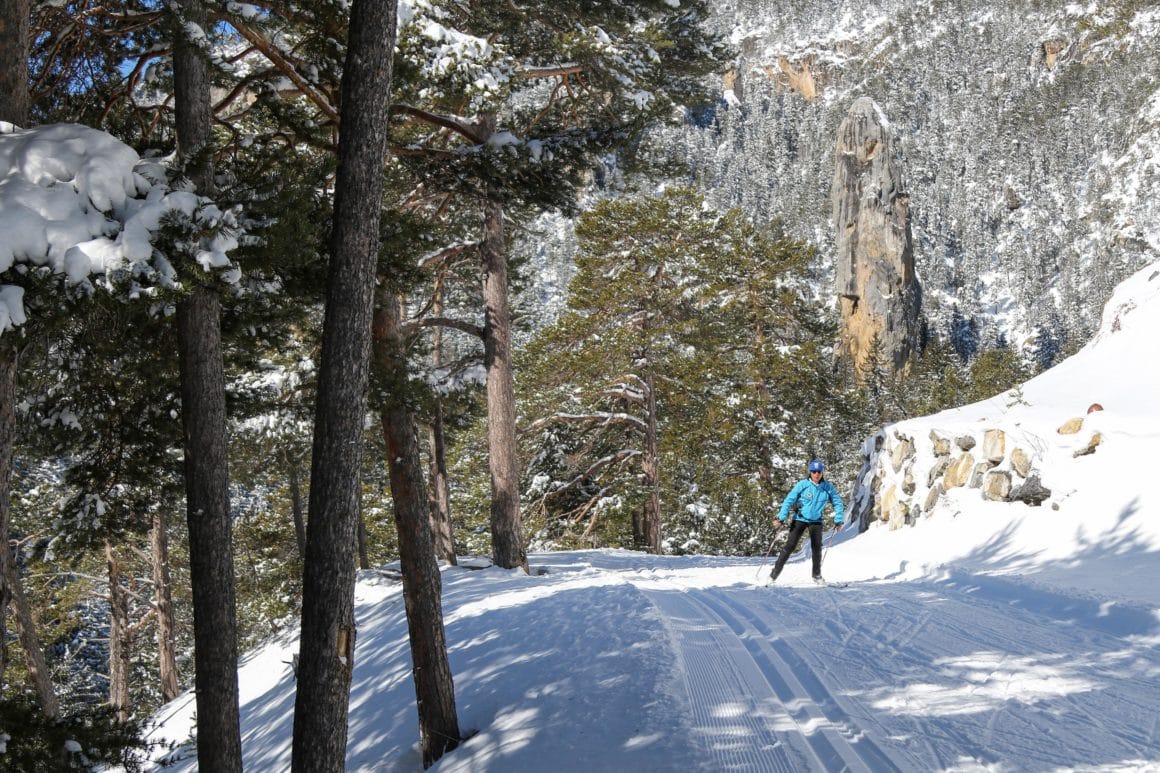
point(810, 499)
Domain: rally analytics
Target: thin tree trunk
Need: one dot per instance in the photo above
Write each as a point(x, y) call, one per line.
point(440, 489)
point(203, 414)
point(211, 549)
point(364, 558)
point(296, 507)
point(14, 108)
point(327, 642)
point(651, 468)
point(507, 539)
point(14, 35)
point(163, 600)
point(422, 584)
point(765, 468)
point(8, 364)
point(29, 642)
point(11, 590)
point(119, 645)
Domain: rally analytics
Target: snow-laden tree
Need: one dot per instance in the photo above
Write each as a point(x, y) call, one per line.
point(508, 105)
point(83, 214)
point(683, 384)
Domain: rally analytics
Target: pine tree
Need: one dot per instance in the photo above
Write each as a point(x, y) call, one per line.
point(551, 89)
point(709, 315)
point(995, 371)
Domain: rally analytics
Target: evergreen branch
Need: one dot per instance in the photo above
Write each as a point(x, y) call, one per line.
point(410, 328)
point(558, 71)
point(449, 122)
point(595, 420)
point(285, 67)
point(450, 251)
point(621, 456)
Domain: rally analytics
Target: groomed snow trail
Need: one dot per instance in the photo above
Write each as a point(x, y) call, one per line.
point(909, 676)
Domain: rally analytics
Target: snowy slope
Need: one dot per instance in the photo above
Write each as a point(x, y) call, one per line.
point(988, 636)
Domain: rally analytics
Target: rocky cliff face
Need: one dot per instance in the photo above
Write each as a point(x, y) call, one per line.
point(878, 294)
point(1029, 132)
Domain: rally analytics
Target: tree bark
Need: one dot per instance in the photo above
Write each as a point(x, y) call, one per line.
point(14, 35)
point(8, 365)
point(119, 645)
point(203, 414)
point(296, 507)
point(507, 540)
point(364, 556)
point(14, 108)
point(327, 643)
point(29, 642)
point(440, 489)
point(211, 549)
point(163, 600)
point(422, 583)
point(651, 522)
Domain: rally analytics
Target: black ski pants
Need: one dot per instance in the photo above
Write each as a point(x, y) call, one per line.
point(791, 543)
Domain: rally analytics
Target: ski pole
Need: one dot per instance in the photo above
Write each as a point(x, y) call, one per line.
point(769, 552)
point(830, 541)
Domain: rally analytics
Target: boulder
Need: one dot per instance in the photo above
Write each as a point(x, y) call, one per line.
point(1020, 462)
point(903, 451)
point(979, 471)
point(908, 484)
point(942, 446)
point(1090, 448)
point(1031, 492)
point(958, 472)
point(994, 445)
point(937, 470)
point(1071, 426)
point(1095, 407)
point(932, 496)
point(894, 508)
point(965, 442)
point(997, 485)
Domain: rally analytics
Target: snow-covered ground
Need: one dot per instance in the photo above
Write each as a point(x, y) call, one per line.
point(988, 636)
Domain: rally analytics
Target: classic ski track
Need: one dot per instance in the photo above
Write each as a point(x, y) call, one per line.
point(791, 721)
point(739, 737)
point(914, 628)
point(857, 749)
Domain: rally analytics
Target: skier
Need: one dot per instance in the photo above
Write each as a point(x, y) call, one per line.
point(809, 496)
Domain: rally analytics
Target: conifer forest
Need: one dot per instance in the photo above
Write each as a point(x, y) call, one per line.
point(487, 292)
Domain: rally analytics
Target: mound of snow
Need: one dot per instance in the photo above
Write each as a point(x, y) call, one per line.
point(1101, 512)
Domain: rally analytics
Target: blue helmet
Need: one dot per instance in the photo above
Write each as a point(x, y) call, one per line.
point(816, 466)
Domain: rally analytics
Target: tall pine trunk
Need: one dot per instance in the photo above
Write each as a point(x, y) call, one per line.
point(440, 489)
point(422, 583)
point(14, 108)
point(211, 550)
point(15, 16)
point(119, 645)
point(296, 505)
point(203, 417)
point(327, 643)
point(651, 522)
point(8, 360)
point(34, 659)
point(507, 539)
point(163, 601)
